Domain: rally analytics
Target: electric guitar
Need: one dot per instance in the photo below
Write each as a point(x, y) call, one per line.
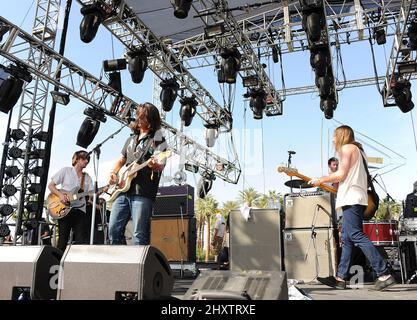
point(370, 209)
point(58, 210)
point(128, 173)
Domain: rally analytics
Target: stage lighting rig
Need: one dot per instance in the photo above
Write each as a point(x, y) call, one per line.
point(11, 171)
point(15, 153)
point(188, 109)
point(6, 210)
point(229, 66)
point(412, 34)
point(214, 30)
point(11, 85)
point(94, 15)
point(168, 93)
point(17, 134)
point(9, 190)
point(90, 126)
point(60, 97)
point(137, 64)
point(212, 132)
point(4, 230)
point(205, 183)
point(380, 35)
point(181, 8)
point(257, 102)
point(401, 91)
point(41, 136)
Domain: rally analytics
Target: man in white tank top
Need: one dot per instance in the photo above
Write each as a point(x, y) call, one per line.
point(352, 198)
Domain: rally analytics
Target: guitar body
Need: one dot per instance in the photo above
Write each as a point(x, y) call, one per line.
point(371, 208)
point(122, 185)
point(57, 209)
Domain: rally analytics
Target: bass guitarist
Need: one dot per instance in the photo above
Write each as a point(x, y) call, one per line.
point(137, 202)
point(70, 178)
point(352, 197)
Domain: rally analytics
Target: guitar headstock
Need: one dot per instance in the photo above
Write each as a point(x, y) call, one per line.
point(287, 170)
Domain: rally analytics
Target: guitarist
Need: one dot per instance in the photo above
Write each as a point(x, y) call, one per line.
point(70, 178)
point(352, 197)
point(137, 203)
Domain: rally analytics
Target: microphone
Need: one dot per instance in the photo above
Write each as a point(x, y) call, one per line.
point(291, 152)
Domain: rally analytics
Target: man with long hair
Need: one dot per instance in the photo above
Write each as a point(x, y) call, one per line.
point(352, 197)
point(137, 203)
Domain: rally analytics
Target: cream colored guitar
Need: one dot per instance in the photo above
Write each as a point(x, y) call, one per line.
point(128, 173)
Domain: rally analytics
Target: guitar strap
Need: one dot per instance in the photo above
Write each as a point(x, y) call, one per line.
point(370, 183)
point(82, 182)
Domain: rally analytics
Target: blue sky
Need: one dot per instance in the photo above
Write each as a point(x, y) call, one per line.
point(302, 127)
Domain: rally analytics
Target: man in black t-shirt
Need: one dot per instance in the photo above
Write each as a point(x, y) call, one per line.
point(410, 210)
point(137, 203)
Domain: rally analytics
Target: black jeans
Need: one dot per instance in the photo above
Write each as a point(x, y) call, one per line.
point(73, 220)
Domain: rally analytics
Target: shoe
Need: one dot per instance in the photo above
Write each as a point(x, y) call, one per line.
point(332, 282)
point(381, 285)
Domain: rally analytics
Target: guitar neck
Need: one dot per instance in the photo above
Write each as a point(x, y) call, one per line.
point(323, 186)
point(87, 193)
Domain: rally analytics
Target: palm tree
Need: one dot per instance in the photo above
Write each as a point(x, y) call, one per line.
point(262, 202)
point(229, 206)
point(250, 196)
point(205, 208)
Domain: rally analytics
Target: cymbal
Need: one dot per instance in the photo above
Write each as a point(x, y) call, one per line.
point(298, 183)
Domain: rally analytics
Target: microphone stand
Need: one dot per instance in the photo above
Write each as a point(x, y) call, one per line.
point(289, 166)
point(96, 150)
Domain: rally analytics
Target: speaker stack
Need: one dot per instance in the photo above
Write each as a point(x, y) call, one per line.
point(310, 244)
point(173, 225)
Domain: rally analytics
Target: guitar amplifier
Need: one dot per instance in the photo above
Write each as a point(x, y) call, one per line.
point(174, 201)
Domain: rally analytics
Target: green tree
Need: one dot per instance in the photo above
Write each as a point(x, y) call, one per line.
point(229, 206)
point(388, 210)
point(205, 209)
point(250, 196)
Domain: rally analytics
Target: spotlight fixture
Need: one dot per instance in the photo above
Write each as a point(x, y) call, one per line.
point(214, 30)
point(60, 97)
point(188, 109)
point(94, 15)
point(15, 153)
point(32, 206)
point(320, 60)
point(257, 102)
point(11, 171)
point(250, 81)
point(168, 94)
point(380, 35)
point(9, 190)
point(114, 65)
point(230, 65)
point(181, 8)
point(4, 230)
point(41, 136)
point(275, 57)
point(87, 132)
point(35, 188)
point(180, 177)
point(212, 132)
point(204, 184)
point(17, 134)
point(6, 210)
point(328, 105)
point(137, 64)
point(37, 154)
point(11, 88)
point(412, 34)
point(313, 24)
point(95, 113)
point(190, 167)
point(37, 171)
point(115, 81)
point(401, 91)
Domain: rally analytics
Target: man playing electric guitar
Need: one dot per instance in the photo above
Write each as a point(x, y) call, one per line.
point(137, 202)
point(71, 178)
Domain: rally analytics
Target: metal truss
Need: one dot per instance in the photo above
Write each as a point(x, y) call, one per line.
point(250, 64)
point(401, 55)
point(92, 91)
point(134, 34)
point(33, 103)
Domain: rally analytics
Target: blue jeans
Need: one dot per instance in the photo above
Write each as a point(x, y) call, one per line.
point(124, 207)
point(352, 234)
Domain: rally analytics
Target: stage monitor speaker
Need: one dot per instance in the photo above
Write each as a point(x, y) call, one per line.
point(309, 253)
point(174, 201)
point(235, 285)
point(175, 237)
point(302, 210)
point(28, 272)
point(101, 272)
point(255, 244)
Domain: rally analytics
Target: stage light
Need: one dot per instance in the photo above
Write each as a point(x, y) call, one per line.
point(211, 132)
point(115, 81)
point(41, 136)
point(380, 35)
point(6, 210)
point(11, 171)
point(257, 102)
point(190, 167)
point(250, 81)
point(188, 109)
point(328, 105)
point(94, 15)
point(137, 64)
point(37, 154)
point(37, 171)
point(401, 91)
point(313, 24)
point(17, 134)
point(275, 57)
point(214, 30)
point(60, 97)
point(114, 65)
point(35, 188)
point(412, 34)
point(9, 190)
point(168, 94)
point(204, 184)
point(10, 90)
point(230, 65)
point(320, 61)
point(180, 177)
point(3, 30)
point(96, 114)
point(4, 230)
point(87, 132)
point(32, 206)
point(406, 67)
point(15, 153)
point(181, 8)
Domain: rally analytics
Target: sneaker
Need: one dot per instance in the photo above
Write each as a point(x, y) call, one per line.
point(381, 285)
point(332, 282)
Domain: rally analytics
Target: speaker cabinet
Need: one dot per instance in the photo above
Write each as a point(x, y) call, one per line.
point(174, 201)
point(175, 237)
point(309, 253)
point(255, 244)
point(302, 210)
point(234, 285)
point(28, 272)
point(101, 272)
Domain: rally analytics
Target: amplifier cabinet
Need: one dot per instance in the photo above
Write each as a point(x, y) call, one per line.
point(309, 253)
point(175, 237)
point(303, 210)
point(174, 201)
